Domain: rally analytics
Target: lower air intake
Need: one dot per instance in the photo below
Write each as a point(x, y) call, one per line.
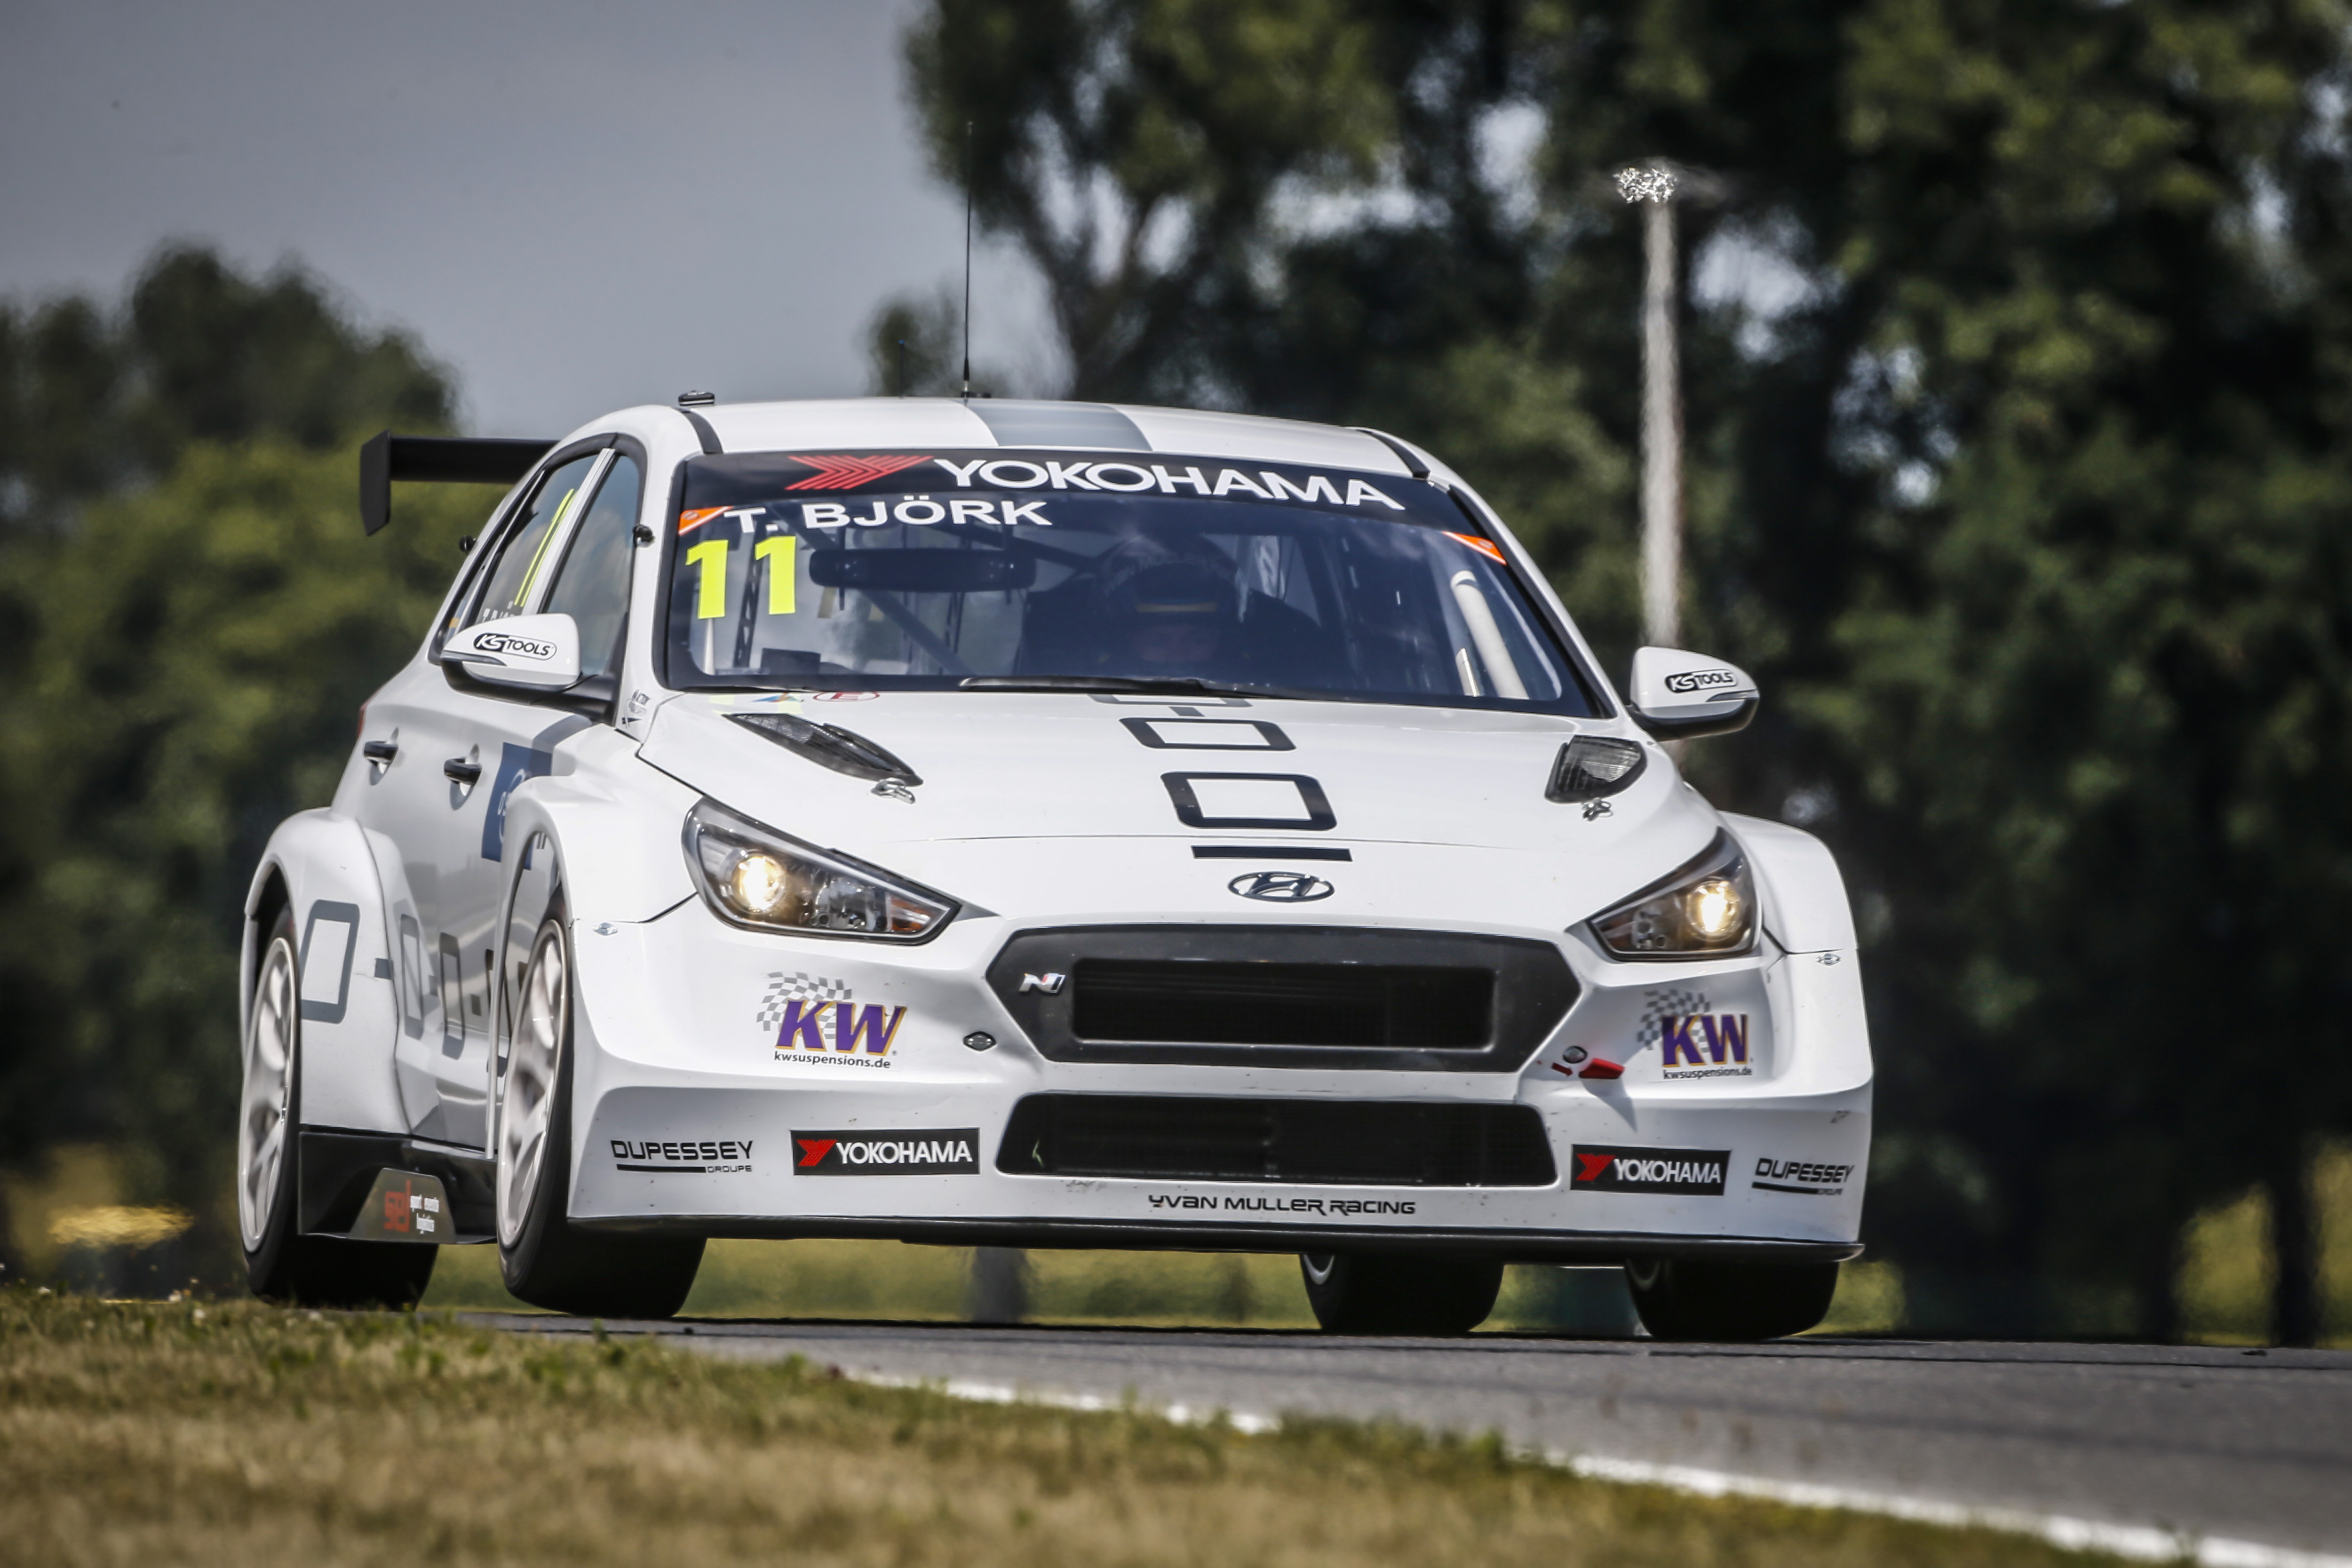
point(1334, 1143)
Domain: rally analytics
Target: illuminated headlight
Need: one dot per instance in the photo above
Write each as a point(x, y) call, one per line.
point(757, 876)
point(1707, 908)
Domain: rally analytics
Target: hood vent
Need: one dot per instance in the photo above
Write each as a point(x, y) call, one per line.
point(830, 746)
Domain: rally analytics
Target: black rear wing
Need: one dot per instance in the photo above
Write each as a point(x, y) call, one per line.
point(437, 459)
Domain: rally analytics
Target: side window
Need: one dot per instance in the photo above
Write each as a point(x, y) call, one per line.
point(521, 564)
point(592, 585)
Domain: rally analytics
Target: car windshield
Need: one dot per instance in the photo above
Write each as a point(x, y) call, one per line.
point(981, 568)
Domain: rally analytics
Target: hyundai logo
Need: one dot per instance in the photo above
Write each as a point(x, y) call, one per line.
point(1281, 886)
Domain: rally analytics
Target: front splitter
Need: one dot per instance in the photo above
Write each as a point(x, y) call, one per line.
point(1570, 1246)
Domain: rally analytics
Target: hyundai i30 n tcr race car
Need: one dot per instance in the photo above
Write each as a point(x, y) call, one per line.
point(1037, 824)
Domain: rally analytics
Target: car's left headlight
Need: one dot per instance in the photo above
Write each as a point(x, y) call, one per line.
point(754, 876)
point(1704, 910)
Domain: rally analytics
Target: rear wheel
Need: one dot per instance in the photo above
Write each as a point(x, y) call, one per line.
point(1399, 1294)
point(1693, 1298)
point(544, 1258)
point(280, 1263)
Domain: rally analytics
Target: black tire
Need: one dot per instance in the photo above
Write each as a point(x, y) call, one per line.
point(553, 1263)
point(293, 1269)
point(1693, 1298)
point(1399, 1294)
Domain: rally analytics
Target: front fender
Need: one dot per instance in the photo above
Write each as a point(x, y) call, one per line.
point(620, 863)
point(624, 859)
point(1805, 906)
point(1817, 983)
point(349, 1013)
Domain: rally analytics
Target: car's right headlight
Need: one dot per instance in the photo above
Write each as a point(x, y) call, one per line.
point(754, 876)
point(1703, 910)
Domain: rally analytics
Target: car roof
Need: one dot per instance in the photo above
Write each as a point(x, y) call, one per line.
point(955, 424)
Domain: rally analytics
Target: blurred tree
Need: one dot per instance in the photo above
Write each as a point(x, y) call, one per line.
point(205, 647)
point(190, 616)
point(92, 401)
point(914, 347)
point(2024, 497)
point(1135, 148)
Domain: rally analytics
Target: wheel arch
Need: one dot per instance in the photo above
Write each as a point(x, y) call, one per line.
point(268, 895)
point(319, 865)
point(616, 865)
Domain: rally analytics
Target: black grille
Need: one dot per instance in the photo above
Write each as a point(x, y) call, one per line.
point(1331, 1143)
point(1315, 997)
point(1282, 1004)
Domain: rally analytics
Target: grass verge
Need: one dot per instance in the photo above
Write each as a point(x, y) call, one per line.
point(169, 1433)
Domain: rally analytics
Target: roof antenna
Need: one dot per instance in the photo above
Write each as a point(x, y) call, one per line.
point(902, 367)
point(967, 260)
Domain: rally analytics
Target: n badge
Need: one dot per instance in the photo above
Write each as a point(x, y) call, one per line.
point(1601, 1169)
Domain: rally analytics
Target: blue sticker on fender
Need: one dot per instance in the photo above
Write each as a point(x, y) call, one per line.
point(516, 763)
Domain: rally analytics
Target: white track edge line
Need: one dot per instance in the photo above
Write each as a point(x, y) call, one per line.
point(2139, 1542)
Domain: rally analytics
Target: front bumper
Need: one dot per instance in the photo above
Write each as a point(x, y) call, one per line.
point(689, 1117)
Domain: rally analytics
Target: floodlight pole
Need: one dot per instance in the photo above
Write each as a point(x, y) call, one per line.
point(1653, 188)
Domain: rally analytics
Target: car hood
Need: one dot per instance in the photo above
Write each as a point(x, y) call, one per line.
point(1443, 790)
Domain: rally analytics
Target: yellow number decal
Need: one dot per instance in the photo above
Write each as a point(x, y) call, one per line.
point(780, 553)
point(710, 589)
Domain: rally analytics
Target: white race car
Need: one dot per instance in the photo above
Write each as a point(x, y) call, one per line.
point(1037, 824)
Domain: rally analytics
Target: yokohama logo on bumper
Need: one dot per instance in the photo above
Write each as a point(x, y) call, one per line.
point(1600, 1169)
point(924, 1152)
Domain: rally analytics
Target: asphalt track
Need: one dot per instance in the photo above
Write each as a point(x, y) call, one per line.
point(2238, 1456)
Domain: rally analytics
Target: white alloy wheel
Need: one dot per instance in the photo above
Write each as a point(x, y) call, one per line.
point(527, 1099)
point(261, 1129)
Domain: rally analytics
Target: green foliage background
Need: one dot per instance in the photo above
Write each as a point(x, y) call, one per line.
point(195, 619)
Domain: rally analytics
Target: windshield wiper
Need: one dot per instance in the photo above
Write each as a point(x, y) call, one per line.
point(1180, 685)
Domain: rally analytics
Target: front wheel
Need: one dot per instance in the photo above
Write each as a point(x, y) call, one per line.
point(1694, 1299)
point(544, 1258)
point(1399, 1294)
point(280, 1263)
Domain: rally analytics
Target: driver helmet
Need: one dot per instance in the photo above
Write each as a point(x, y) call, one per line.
point(1164, 585)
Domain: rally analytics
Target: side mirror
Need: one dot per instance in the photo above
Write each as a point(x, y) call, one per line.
point(540, 652)
point(1679, 696)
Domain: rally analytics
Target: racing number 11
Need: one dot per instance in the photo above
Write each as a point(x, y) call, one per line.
point(709, 561)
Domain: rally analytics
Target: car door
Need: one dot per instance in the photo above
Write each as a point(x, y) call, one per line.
point(590, 582)
point(462, 747)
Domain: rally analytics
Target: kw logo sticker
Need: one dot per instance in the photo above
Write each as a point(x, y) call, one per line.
point(1694, 1040)
point(1723, 1037)
point(838, 1027)
point(817, 1021)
